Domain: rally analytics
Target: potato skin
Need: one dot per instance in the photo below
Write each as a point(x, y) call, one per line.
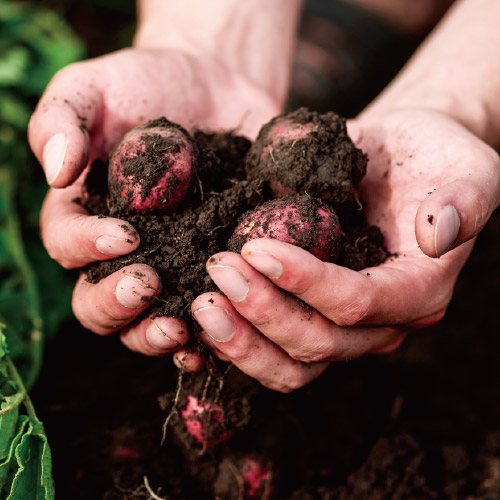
point(204, 421)
point(151, 168)
point(308, 152)
point(299, 220)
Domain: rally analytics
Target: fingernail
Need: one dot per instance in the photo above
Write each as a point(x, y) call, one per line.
point(53, 156)
point(447, 227)
point(216, 322)
point(264, 262)
point(158, 338)
point(231, 282)
point(114, 247)
point(132, 292)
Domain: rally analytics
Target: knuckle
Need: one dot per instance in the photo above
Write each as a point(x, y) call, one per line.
point(308, 354)
point(292, 383)
point(300, 285)
point(353, 312)
point(289, 382)
point(264, 316)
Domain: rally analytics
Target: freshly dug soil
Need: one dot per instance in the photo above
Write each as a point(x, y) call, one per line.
point(177, 244)
point(227, 183)
point(306, 164)
point(422, 423)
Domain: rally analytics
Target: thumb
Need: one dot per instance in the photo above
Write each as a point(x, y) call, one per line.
point(456, 212)
point(58, 131)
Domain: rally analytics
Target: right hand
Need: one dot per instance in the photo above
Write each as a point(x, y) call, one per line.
point(84, 112)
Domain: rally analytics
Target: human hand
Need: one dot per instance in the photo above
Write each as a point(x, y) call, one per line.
point(430, 184)
point(83, 113)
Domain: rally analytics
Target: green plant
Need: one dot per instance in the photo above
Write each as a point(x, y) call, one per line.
point(34, 292)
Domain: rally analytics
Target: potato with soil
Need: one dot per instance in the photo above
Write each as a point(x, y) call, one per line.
point(204, 421)
point(185, 195)
point(308, 152)
point(300, 220)
point(151, 168)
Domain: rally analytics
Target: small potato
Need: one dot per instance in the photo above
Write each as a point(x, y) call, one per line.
point(151, 168)
point(204, 421)
point(308, 152)
point(300, 220)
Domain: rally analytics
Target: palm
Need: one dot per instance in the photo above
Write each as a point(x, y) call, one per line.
point(411, 154)
point(117, 92)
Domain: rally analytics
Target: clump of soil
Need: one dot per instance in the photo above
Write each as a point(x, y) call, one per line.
point(207, 409)
point(308, 152)
point(227, 184)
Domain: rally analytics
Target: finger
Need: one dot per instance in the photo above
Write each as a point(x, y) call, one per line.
point(155, 336)
point(74, 239)
point(456, 212)
point(398, 292)
point(116, 300)
point(304, 333)
point(252, 353)
point(59, 128)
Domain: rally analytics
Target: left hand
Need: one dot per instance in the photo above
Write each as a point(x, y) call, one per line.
point(431, 186)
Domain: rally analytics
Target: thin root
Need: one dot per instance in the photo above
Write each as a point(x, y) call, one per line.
point(173, 410)
point(150, 491)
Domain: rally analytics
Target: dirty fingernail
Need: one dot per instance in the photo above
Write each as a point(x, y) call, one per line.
point(446, 231)
point(53, 156)
point(133, 293)
point(158, 338)
point(216, 322)
point(114, 247)
point(231, 282)
point(264, 262)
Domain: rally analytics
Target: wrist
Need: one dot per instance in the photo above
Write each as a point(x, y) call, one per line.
point(251, 40)
point(438, 91)
point(456, 71)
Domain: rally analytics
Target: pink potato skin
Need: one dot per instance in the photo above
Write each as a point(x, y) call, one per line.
point(283, 219)
point(203, 420)
point(256, 476)
point(171, 186)
point(282, 134)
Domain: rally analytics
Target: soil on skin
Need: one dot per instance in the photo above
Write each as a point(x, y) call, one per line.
point(421, 423)
point(177, 244)
point(226, 184)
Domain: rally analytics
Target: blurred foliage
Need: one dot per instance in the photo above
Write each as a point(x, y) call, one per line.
point(35, 292)
point(25, 459)
point(34, 44)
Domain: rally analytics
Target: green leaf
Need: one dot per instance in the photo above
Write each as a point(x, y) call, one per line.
point(20, 306)
point(34, 43)
point(13, 64)
point(25, 458)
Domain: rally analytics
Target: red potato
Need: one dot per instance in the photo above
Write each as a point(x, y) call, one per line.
point(256, 476)
point(152, 167)
point(284, 131)
point(300, 220)
point(307, 152)
point(252, 476)
point(205, 422)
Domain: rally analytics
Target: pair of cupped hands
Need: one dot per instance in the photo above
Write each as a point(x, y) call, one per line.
point(431, 186)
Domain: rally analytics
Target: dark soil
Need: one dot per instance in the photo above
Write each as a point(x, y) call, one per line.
point(307, 165)
point(178, 243)
point(421, 423)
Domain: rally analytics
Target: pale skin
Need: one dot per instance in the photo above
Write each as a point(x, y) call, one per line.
point(433, 181)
